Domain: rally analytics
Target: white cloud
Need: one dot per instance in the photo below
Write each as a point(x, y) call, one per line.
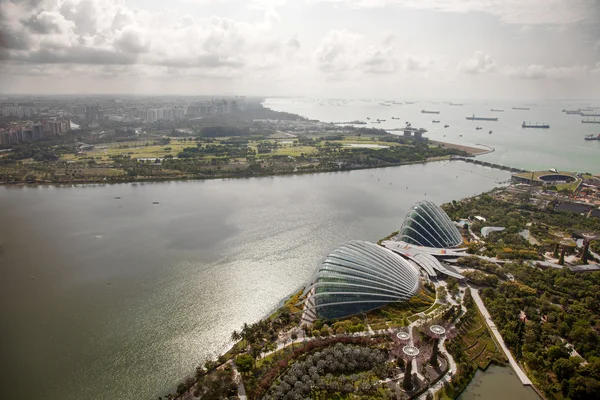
point(509, 11)
point(536, 71)
point(479, 63)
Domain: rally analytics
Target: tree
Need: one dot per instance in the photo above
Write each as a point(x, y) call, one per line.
point(563, 368)
point(244, 363)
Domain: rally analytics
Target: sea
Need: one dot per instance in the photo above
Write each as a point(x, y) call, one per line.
point(562, 146)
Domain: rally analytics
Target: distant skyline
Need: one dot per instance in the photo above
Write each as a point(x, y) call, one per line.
point(466, 49)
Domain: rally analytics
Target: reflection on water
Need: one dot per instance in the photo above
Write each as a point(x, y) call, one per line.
point(105, 295)
point(497, 383)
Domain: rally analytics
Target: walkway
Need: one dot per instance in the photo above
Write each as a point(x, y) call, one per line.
point(513, 363)
point(237, 377)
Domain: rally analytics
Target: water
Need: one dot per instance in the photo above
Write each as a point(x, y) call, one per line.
point(497, 383)
point(562, 146)
point(183, 273)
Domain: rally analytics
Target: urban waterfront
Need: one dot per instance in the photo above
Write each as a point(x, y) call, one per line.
point(107, 295)
point(562, 146)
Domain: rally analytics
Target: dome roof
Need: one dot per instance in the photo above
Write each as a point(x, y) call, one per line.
point(360, 276)
point(426, 224)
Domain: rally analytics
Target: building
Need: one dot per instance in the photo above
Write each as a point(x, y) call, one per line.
point(357, 277)
point(426, 224)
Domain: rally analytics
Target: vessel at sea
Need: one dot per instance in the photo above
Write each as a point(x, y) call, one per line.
point(520, 108)
point(590, 121)
point(474, 118)
point(493, 110)
point(592, 137)
point(536, 125)
point(429, 112)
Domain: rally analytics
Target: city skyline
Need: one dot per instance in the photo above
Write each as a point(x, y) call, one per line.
point(315, 48)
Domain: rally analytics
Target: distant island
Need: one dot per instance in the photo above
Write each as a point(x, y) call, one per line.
point(245, 140)
point(505, 277)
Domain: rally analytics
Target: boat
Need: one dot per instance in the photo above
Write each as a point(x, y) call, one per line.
point(590, 121)
point(494, 110)
point(521, 108)
point(385, 104)
point(380, 120)
point(368, 118)
point(592, 137)
point(478, 128)
point(573, 112)
point(490, 132)
point(589, 115)
point(409, 102)
point(395, 118)
point(435, 121)
point(446, 126)
point(474, 118)
point(429, 112)
point(536, 125)
point(455, 104)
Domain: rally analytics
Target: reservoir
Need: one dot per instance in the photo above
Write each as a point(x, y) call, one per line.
point(107, 295)
point(497, 383)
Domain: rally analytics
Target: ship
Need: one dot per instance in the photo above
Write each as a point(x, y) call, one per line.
point(592, 137)
point(521, 108)
point(573, 112)
point(478, 128)
point(494, 110)
point(446, 126)
point(395, 118)
point(435, 121)
point(455, 104)
point(429, 112)
point(590, 121)
point(589, 115)
point(474, 118)
point(536, 125)
point(409, 102)
point(385, 104)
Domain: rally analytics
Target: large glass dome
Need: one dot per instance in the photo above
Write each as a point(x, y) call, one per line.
point(428, 225)
point(360, 276)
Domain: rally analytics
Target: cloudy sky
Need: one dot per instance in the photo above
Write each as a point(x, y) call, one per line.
point(331, 48)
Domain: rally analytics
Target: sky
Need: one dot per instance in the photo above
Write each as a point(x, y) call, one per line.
point(450, 49)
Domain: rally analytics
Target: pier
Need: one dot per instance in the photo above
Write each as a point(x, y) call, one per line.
point(489, 164)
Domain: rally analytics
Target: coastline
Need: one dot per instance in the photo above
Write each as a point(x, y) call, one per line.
point(472, 152)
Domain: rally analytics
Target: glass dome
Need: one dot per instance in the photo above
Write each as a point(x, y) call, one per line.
point(360, 276)
point(426, 224)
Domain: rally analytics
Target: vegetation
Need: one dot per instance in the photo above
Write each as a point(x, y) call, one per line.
point(540, 316)
point(235, 145)
point(341, 369)
point(473, 347)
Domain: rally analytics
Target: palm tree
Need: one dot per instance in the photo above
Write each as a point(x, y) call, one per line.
point(235, 336)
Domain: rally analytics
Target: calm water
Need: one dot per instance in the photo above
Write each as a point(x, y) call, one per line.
point(562, 146)
point(183, 273)
point(497, 383)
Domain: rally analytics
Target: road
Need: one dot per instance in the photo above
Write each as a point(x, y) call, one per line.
point(488, 319)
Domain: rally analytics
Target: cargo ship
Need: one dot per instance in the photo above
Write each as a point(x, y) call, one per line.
point(592, 137)
point(474, 118)
point(493, 110)
point(536, 125)
point(429, 112)
point(521, 108)
point(589, 115)
point(590, 121)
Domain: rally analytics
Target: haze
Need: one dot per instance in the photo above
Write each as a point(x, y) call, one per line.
point(333, 48)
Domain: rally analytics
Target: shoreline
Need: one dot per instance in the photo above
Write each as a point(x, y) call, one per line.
point(472, 152)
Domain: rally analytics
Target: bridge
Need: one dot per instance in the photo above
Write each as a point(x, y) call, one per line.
point(488, 164)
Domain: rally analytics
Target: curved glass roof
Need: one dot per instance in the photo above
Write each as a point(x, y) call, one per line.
point(426, 224)
point(360, 276)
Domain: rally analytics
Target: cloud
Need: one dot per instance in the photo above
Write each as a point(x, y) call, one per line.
point(337, 51)
point(508, 11)
point(294, 43)
point(536, 71)
point(479, 63)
